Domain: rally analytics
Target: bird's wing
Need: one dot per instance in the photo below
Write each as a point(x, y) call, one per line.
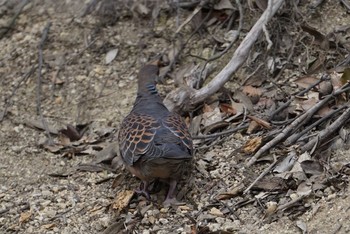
point(136, 136)
point(177, 126)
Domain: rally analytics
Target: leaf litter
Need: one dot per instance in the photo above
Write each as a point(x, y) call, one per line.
point(220, 168)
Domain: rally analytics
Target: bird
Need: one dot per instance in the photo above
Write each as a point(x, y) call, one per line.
point(154, 143)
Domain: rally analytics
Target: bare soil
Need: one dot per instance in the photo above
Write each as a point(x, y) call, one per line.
point(79, 87)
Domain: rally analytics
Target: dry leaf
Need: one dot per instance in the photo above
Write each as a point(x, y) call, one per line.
point(261, 122)
point(231, 193)
point(252, 145)
point(306, 81)
point(252, 91)
point(111, 55)
point(25, 216)
point(49, 225)
point(223, 5)
point(311, 167)
point(39, 124)
point(71, 132)
point(227, 108)
point(122, 199)
point(216, 212)
point(253, 126)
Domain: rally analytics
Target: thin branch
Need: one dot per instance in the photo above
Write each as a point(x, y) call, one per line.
point(238, 57)
point(292, 139)
point(8, 100)
point(13, 21)
point(267, 170)
point(301, 93)
point(39, 83)
point(234, 39)
point(296, 124)
point(222, 133)
point(324, 134)
point(194, 13)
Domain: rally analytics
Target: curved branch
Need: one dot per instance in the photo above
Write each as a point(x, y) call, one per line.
point(238, 58)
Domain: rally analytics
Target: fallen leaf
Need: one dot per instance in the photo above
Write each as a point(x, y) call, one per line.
point(122, 199)
point(39, 124)
point(223, 5)
point(231, 193)
point(261, 122)
point(253, 126)
point(306, 81)
point(25, 216)
point(252, 91)
point(49, 225)
point(252, 145)
point(216, 212)
point(311, 167)
point(227, 108)
point(110, 56)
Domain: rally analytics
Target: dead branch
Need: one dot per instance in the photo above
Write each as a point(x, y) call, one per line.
point(194, 13)
point(292, 139)
point(180, 96)
point(301, 93)
point(240, 25)
point(13, 21)
point(267, 170)
point(8, 100)
point(39, 83)
point(324, 134)
point(222, 133)
point(296, 124)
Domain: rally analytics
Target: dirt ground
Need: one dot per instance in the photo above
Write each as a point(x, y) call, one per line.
point(79, 87)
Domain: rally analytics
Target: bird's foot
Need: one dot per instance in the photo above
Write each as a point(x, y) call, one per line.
point(172, 202)
point(143, 192)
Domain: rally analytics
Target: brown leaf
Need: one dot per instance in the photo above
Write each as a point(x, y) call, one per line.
point(39, 124)
point(306, 81)
point(71, 132)
point(261, 122)
point(311, 167)
point(252, 91)
point(271, 184)
point(252, 145)
point(49, 225)
point(55, 80)
point(118, 180)
point(345, 78)
point(25, 216)
point(231, 193)
point(122, 199)
point(227, 108)
point(253, 126)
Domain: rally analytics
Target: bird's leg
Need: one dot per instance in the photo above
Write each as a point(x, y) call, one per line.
point(171, 196)
point(143, 190)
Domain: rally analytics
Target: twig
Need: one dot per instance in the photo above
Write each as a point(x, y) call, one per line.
point(194, 13)
point(328, 131)
point(172, 63)
point(292, 139)
point(222, 133)
point(296, 124)
point(346, 4)
point(39, 84)
point(13, 21)
point(267, 170)
point(268, 38)
point(289, 204)
point(8, 100)
point(301, 93)
point(183, 95)
point(240, 25)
